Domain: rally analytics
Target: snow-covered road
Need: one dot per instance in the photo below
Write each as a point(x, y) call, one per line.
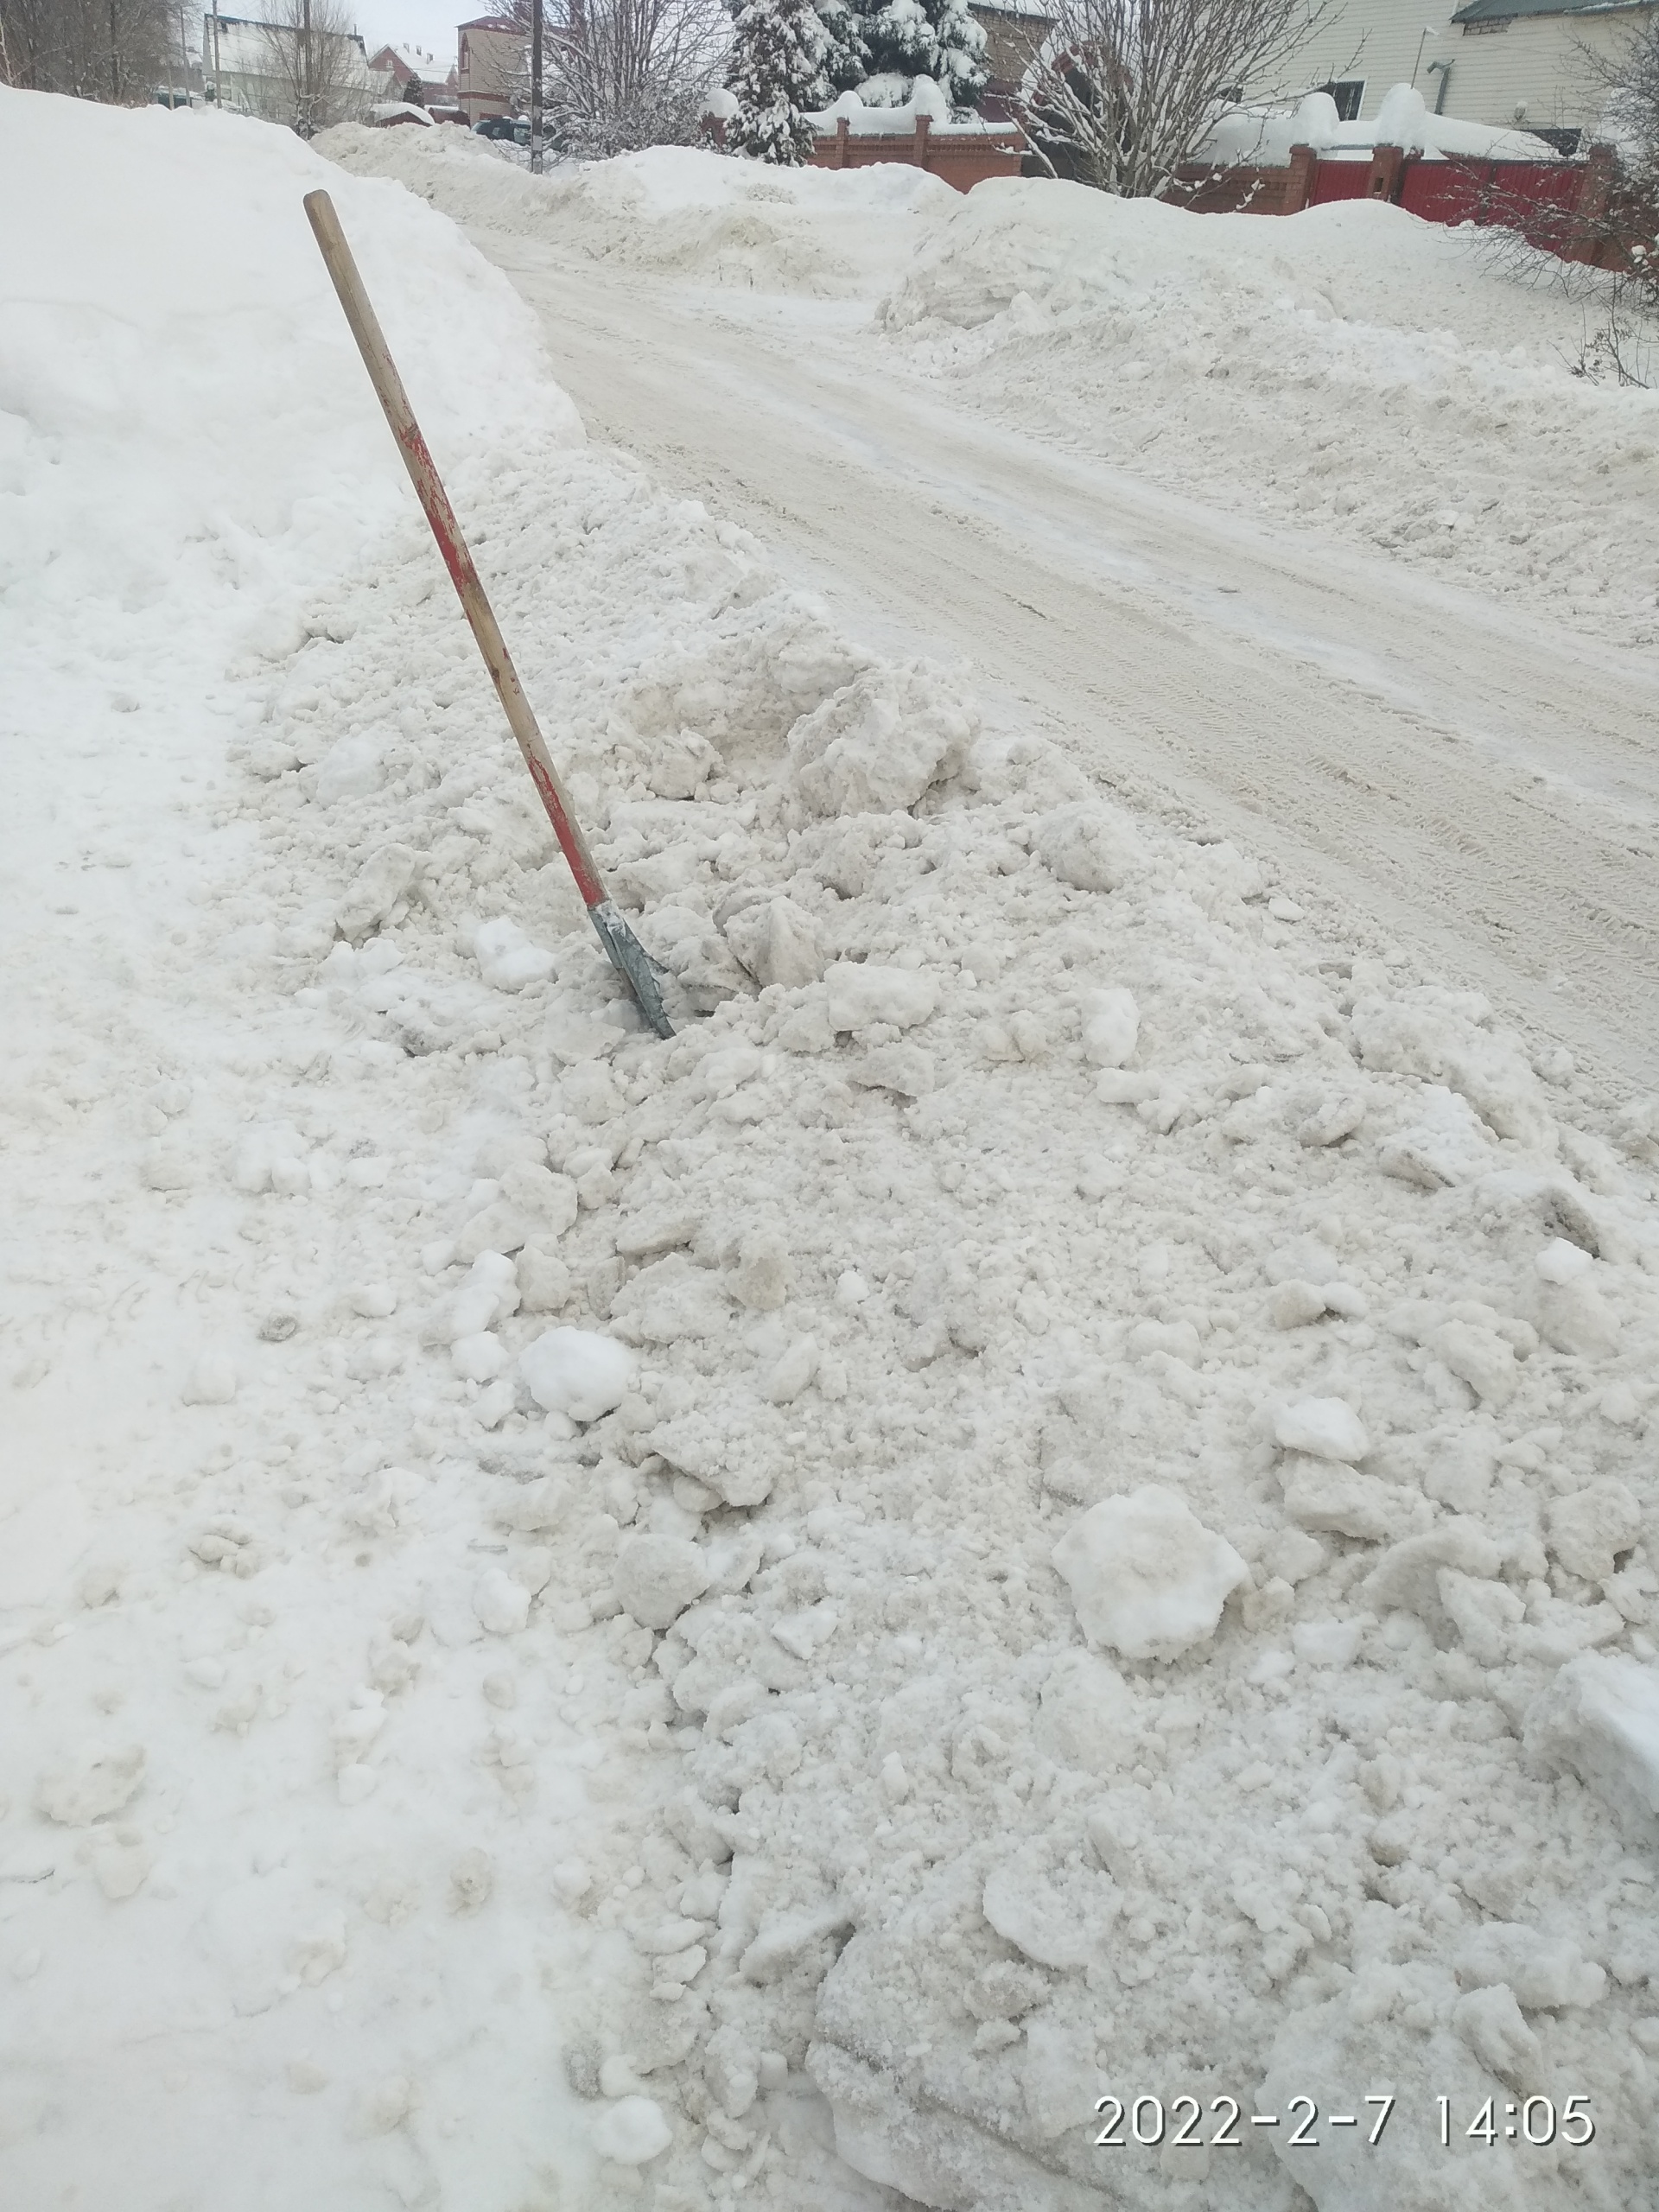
point(1485, 785)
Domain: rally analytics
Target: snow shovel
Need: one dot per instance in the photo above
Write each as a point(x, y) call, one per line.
point(627, 956)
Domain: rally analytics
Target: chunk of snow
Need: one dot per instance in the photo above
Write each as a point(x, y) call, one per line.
point(502, 1604)
point(578, 1371)
point(1590, 1527)
point(1326, 1429)
point(1146, 1577)
point(1541, 1971)
point(90, 1785)
point(1599, 1719)
point(506, 958)
point(657, 1577)
point(861, 994)
point(1111, 1027)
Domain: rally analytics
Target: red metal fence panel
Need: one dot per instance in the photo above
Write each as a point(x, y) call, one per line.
point(1339, 180)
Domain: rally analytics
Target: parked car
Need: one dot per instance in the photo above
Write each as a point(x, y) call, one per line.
point(516, 127)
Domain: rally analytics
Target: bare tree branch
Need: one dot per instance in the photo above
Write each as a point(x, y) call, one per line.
point(621, 74)
point(1121, 92)
point(114, 50)
point(314, 65)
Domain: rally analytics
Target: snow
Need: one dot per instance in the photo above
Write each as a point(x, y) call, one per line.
point(1146, 1577)
point(1265, 135)
point(592, 1711)
point(1353, 370)
point(890, 107)
point(1599, 1719)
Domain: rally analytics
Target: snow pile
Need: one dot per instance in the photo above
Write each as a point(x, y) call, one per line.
point(540, 1668)
point(1350, 367)
point(1266, 136)
point(699, 216)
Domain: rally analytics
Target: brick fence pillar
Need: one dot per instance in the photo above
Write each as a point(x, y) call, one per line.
point(1388, 176)
point(924, 124)
point(1595, 197)
point(843, 131)
point(1299, 183)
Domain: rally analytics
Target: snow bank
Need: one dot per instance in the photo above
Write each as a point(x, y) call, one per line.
point(1350, 365)
point(354, 1816)
point(1354, 367)
point(699, 216)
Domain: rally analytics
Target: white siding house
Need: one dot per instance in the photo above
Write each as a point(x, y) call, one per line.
point(1495, 61)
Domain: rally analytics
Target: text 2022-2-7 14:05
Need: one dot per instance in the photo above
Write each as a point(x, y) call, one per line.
point(1186, 2124)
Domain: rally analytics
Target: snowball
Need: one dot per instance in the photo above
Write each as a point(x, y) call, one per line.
point(1146, 1577)
point(578, 1371)
point(1328, 1428)
point(1599, 1719)
point(1111, 1028)
point(632, 2132)
point(1562, 1263)
point(657, 1577)
point(501, 1603)
point(861, 994)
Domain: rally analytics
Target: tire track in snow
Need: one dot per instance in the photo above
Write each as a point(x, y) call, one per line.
point(1481, 787)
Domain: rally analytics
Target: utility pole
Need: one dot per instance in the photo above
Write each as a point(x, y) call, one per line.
point(308, 127)
point(535, 87)
point(218, 81)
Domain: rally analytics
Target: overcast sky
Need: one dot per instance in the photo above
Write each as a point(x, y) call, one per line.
point(428, 23)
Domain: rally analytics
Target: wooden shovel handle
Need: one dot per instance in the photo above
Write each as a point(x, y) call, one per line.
point(428, 489)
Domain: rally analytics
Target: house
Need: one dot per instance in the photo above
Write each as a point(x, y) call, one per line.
point(394, 67)
point(263, 69)
point(489, 66)
point(1503, 62)
point(1014, 31)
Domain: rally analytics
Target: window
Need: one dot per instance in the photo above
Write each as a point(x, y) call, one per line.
point(1348, 96)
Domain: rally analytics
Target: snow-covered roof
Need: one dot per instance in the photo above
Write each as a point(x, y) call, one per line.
point(409, 61)
point(1493, 11)
point(243, 47)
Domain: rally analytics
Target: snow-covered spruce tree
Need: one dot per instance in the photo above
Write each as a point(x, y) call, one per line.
point(776, 73)
point(845, 53)
point(928, 38)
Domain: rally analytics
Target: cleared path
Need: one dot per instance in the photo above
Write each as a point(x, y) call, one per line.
point(1482, 785)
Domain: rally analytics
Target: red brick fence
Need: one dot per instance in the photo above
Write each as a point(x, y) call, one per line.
point(1562, 206)
point(964, 158)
